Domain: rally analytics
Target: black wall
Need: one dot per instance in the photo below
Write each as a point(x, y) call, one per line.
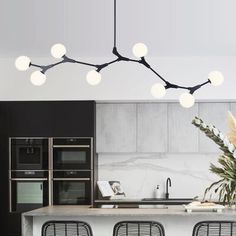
point(38, 119)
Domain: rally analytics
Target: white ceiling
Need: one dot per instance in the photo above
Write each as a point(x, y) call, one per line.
point(168, 27)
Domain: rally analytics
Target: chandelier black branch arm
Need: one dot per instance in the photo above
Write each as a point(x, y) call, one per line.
point(45, 68)
point(158, 90)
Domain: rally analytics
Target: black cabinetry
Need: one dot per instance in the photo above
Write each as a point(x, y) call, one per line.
point(50, 118)
point(73, 118)
point(38, 119)
point(28, 118)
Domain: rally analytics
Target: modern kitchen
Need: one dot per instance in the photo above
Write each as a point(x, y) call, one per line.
point(116, 124)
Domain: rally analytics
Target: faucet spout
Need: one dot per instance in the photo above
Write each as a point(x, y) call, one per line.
point(168, 184)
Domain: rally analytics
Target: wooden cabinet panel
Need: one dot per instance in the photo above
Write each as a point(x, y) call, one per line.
point(152, 127)
point(216, 114)
point(116, 128)
point(183, 136)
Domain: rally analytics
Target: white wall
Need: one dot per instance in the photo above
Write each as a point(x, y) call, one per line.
point(123, 81)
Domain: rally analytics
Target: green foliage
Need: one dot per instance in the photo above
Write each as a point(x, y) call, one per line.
point(225, 187)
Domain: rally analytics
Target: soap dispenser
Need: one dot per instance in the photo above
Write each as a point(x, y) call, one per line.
point(157, 193)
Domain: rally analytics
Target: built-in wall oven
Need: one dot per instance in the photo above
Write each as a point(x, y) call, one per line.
point(72, 171)
point(50, 171)
point(72, 153)
point(71, 187)
point(28, 194)
point(28, 173)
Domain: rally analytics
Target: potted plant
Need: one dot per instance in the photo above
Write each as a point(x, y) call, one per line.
point(225, 187)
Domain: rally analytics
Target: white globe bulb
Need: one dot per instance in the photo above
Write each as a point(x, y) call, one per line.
point(58, 50)
point(140, 50)
point(22, 63)
point(216, 78)
point(93, 77)
point(158, 90)
point(186, 100)
point(38, 78)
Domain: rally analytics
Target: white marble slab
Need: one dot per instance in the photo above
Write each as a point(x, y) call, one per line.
point(140, 173)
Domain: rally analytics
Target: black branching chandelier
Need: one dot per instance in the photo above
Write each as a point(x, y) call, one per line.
point(140, 50)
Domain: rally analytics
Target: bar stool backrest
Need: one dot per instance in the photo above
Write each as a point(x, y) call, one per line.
point(66, 228)
point(138, 228)
point(215, 228)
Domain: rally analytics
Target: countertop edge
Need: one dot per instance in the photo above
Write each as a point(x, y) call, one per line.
point(74, 211)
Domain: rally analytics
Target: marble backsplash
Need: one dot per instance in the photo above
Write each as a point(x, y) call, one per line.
point(140, 173)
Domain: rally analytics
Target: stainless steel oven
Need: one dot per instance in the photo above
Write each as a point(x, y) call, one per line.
point(71, 187)
point(72, 153)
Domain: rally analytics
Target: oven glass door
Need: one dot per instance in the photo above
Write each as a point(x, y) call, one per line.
point(69, 157)
point(71, 192)
point(28, 195)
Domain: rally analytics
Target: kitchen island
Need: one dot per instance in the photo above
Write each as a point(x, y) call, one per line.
point(174, 218)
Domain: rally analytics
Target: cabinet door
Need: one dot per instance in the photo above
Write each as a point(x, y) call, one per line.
point(216, 114)
point(152, 127)
point(183, 136)
point(29, 118)
point(73, 118)
point(116, 128)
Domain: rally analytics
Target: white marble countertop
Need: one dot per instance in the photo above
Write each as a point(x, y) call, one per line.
point(71, 211)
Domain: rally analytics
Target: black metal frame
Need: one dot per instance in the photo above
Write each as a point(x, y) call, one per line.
point(152, 224)
point(78, 224)
point(218, 224)
point(99, 67)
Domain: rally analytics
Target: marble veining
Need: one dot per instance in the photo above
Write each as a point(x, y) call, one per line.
point(140, 173)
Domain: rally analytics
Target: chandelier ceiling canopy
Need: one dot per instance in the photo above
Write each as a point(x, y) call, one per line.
point(140, 50)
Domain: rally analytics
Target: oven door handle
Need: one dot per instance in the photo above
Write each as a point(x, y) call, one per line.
point(71, 146)
point(69, 179)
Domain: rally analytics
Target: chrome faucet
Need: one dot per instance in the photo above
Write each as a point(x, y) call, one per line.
point(168, 184)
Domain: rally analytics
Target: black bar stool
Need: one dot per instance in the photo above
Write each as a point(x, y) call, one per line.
point(138, 228)
point(212, 228)
point(66, 228)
